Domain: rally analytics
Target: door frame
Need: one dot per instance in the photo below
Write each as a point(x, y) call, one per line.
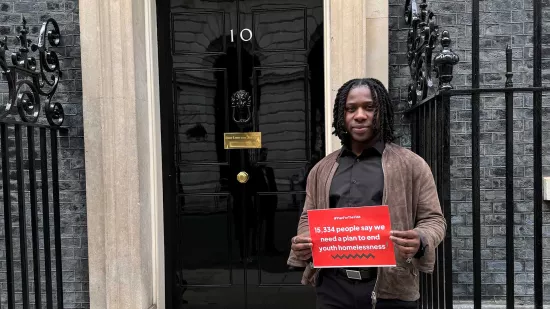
point(121, 104)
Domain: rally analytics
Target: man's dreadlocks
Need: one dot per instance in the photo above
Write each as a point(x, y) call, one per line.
point(383, 117)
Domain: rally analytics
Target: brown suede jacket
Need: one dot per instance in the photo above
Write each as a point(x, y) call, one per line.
point(410, 193)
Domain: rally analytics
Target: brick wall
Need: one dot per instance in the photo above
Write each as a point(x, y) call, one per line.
point(502, 22)
point(71, 148)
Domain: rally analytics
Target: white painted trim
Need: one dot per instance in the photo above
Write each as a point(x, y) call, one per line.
point(377, 40)
point(155, 153)
point(328, 84)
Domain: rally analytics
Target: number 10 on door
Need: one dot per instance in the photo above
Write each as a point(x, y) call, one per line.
point(242, 35)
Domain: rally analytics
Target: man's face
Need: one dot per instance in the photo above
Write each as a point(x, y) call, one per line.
point(359, 114)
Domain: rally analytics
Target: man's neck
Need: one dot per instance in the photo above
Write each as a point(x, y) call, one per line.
point(357, 147)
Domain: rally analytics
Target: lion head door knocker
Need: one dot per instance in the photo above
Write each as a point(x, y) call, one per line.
point(241, 103)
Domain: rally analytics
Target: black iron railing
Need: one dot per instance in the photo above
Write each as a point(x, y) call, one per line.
point(30, 174)
point(429, 114)
point(429, 102)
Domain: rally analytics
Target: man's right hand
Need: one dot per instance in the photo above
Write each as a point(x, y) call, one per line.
point(302, 247)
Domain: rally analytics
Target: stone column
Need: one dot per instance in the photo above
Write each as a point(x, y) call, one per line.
point(122, 149)
point(377, 40)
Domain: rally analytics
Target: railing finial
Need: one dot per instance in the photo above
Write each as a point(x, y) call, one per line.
point(445, 61)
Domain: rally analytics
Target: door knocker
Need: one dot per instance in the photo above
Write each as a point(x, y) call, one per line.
point(241, 103)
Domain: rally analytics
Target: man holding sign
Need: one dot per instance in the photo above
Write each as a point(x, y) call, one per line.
point(371, 218)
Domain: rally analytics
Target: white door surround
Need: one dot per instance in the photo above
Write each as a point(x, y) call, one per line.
point(122, 133)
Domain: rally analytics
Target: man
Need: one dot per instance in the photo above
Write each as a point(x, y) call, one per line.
point(370, 169)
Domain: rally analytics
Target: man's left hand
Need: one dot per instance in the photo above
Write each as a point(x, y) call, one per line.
point(406, 242)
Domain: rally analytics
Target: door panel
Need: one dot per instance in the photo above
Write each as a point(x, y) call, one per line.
point(280, 29)
point(226, 242)
point(283, 112)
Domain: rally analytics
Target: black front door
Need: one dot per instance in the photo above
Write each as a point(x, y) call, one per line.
point(227, 67)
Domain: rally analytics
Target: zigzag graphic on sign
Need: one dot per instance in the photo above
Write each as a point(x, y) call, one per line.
point(354, 256)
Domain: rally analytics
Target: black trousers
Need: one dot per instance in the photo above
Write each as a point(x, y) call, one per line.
point(335, 291)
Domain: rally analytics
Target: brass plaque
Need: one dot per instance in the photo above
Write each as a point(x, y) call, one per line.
point(242, 140)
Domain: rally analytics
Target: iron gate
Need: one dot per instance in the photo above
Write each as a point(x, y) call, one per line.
point(30, 173)
point(429, 98)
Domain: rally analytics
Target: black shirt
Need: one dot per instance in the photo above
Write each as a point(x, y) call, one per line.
point(359, 180)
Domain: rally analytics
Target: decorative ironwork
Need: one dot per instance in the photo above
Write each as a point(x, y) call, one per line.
point(26, 84)
point(422, 39)
point(445, 61)
point(241, 103)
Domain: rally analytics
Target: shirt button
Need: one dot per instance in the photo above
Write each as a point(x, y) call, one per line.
point(354, 181)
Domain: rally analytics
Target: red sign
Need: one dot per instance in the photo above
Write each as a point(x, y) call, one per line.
point(351, 237)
